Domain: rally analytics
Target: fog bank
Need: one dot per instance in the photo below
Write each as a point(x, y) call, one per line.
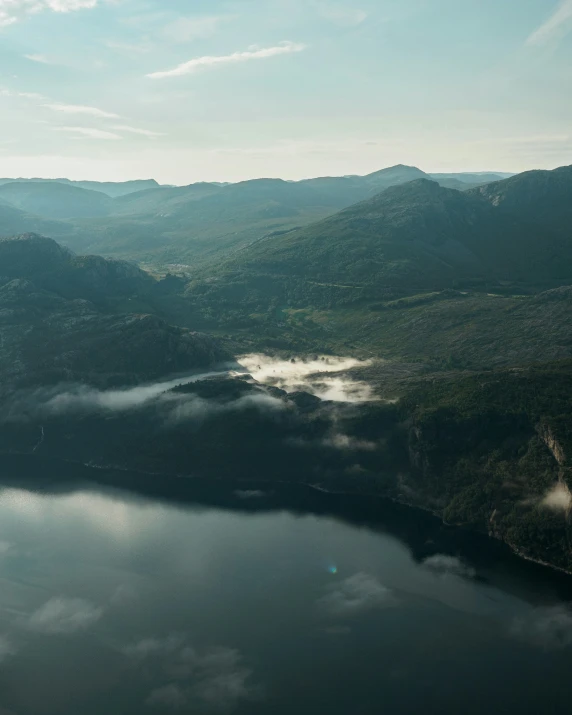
point(313, 375)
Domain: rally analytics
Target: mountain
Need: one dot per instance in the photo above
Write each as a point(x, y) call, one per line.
point(485, 177)
point(161, 200)
point(55, 200)
point(54, 267)
point(416, 273)
point(117, 188)
point(203, 222)
point(64, 318)
point(31, 256)
point(15, 221)
point(418, 236)
point(421, 236)
point(541, 197)
point(111, 188)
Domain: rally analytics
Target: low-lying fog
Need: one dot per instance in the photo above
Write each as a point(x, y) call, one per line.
point(321, 375)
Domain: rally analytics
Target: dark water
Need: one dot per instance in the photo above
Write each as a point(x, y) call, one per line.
point(195, 599)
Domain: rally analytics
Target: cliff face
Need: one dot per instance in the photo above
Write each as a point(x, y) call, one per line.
point(486, 454)
point(554, 445)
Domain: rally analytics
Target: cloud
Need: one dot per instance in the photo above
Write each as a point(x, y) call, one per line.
point(64, 616)
point(357, 594)
point(187, 29)
point(12, 11)
point(171, 696)
point(201, 63)
point(150, 647)
point(189, 407)
point(42, 59)
point(444, 564)
point(221, 686)
point(558, 498)
point(74, 399)
point(219, 677)
point(549, 628)
point(88, 132)
point(136, 130)
point(343, 15)
point(309, 376)
point(345, 442)
point(557, 26)
point(4, 92)
point(5, 547)
point(80, 109)
point(31, 95)
point(6, 649)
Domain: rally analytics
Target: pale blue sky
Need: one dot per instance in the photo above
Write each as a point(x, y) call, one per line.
point(190, 90)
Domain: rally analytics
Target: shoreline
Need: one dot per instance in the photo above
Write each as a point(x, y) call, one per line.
point(180, 479)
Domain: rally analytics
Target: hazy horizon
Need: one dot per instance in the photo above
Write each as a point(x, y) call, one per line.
point(81, 178)
point(228, 90)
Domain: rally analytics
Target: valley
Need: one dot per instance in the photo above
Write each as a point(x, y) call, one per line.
point(416, 345)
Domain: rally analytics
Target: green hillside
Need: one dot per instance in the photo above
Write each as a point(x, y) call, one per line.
point(66, 317)
point(199, 223)
point(15, 221)
point(55, 200)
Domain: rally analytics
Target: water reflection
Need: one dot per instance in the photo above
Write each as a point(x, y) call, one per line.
point(193, 597)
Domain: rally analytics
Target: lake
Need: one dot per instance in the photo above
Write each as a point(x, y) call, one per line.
point(170, 596)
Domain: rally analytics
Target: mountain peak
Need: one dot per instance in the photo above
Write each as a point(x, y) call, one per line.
point(408, 173)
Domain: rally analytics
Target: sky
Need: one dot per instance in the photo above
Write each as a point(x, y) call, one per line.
point(227, 90)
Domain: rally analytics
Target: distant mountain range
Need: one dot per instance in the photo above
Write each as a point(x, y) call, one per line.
point(196, 223)
point(111, 188)
point(420, 236)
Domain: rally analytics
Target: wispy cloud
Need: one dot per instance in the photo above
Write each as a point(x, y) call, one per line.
point(42, 59)
point(443, 564)
point(557, 26)
point(201, 63)
point(136, 130)
point(187, 29)
point(4, 92)
point(212, 680)
point(357, 594)
point(171, 697)
point(80, 109)
point(88, 132)
point(12, 11)
point(154, 647)
point(547, 627)
point(64, 616)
